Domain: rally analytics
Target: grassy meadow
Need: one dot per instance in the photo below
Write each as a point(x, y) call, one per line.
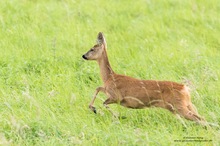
point(46, 86)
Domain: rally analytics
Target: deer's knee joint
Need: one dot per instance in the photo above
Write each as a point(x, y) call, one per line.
point(109, 101)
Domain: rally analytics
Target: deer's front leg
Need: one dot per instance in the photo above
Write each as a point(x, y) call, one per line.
point(94, 97)
point(111, 99)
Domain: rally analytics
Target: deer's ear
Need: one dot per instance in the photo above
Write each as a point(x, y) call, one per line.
point(101, 39)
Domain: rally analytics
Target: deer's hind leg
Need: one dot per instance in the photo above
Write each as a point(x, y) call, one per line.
point(112, 98)
point(192, 108)
point(110, 101)
point(189, 114)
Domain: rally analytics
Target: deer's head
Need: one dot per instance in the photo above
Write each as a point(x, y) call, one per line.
point(97, 50)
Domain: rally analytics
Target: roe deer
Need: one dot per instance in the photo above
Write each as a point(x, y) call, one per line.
point(136, 93)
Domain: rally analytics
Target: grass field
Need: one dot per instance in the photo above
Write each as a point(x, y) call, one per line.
point(45, 85)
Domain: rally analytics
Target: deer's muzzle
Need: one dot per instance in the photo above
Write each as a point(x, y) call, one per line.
point(84, 57)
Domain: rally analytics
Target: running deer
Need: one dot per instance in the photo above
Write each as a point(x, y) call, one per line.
point(138, 94)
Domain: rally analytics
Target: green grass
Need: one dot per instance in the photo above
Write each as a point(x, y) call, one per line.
point(45, 85)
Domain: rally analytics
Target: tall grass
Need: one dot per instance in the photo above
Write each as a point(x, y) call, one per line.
point(45, 86)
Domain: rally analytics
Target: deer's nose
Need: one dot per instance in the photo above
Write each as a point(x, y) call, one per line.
point(84, 57)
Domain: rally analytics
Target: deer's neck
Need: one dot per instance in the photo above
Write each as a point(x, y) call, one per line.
point(105, 67)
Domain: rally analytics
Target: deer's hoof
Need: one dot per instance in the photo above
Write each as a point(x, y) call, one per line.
point(93, 109)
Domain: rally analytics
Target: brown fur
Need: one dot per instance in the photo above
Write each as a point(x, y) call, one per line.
point(138, 94)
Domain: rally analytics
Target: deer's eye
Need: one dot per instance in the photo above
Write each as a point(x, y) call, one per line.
point(92, 49)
